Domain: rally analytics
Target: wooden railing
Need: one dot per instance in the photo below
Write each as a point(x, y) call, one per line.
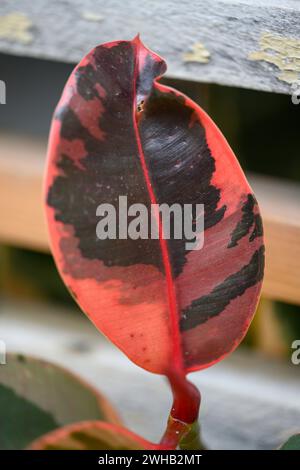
point(22, 221)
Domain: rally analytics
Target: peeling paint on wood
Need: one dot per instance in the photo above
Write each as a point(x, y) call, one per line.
point(199, 53)
point(281, 51)
point(16, 27)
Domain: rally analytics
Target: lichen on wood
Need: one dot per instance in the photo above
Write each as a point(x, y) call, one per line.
point(16, 27)
point(281, 51)
point(199, 53)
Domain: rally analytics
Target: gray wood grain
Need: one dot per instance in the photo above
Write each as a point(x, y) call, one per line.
point(248, 401)
point(252, 44)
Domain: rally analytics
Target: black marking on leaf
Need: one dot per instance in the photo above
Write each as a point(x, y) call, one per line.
point(86, 78)
point(244, 225)
point(179, 160)
point(258, 228)
point(211, 305)
point(110, 168)
point(71, 129)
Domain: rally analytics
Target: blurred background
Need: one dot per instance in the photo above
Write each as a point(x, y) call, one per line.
point(261, 126)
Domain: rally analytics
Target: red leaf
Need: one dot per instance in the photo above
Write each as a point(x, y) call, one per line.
point(117, 131)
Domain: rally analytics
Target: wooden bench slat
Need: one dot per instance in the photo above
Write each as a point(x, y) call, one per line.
point(22, 220)
point(247, 43)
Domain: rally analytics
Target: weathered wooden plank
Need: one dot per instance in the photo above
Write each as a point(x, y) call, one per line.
point(21, 210)
point(246, 43)
point(248, 401)
point(22, 221)
point(279, 201)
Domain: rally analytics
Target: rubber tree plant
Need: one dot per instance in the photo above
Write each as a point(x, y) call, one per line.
point(118, 130)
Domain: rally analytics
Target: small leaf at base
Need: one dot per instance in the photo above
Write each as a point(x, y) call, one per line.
point(37, 397)
point(293, 443)
point(91, 435)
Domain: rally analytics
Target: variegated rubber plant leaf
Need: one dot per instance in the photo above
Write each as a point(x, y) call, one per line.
point(117, 131)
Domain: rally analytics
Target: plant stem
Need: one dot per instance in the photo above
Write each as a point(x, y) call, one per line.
point(182, 435)
point(183, 420)
point(186, 398)
point(192, 440)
